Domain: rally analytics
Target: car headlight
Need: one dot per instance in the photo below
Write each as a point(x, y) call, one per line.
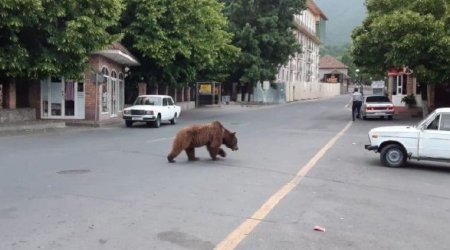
point(127, 112)
point(149, 112)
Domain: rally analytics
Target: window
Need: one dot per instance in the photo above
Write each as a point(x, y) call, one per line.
point(104, 90)
point(147, 101)
point(165, 102)
point(377, 99)
point(170, 101)
point(445, 122)
point(400, 83)
point(122, 92)
point(434, 124)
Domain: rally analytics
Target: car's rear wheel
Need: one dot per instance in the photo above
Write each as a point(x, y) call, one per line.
point(128, 123)
point(174, 119)
point(364, 117)
point(390, 117)
point(157, 122)
point(393, 155)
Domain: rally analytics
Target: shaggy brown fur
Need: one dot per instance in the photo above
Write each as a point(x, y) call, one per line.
point(211, 135)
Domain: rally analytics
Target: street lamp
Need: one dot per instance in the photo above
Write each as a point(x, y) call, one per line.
point(356, 75)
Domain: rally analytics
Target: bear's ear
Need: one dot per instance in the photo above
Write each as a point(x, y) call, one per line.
point(234, 133)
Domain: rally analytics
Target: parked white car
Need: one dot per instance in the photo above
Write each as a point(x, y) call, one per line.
point(378, 106)
point(152, 109)
point(429, 140)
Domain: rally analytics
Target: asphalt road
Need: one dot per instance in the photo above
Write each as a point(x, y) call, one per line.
point(299, 166)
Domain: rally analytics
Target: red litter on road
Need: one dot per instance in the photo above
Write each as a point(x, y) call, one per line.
point(320, 229)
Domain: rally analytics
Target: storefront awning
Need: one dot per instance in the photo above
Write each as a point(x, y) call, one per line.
point(118, 57)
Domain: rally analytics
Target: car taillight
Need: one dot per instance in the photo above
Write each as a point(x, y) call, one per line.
point(369, 108)
point(391, 108)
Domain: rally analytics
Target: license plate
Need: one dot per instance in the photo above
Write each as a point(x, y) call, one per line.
point(137, 118)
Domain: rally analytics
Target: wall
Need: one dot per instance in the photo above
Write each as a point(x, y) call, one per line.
point(186, 105)
point(17, 115)
point(296, 92)
point(308, 90)
point(93, 90)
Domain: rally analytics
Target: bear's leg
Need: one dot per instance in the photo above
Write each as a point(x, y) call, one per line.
point(191, 154)
point(175, 152)
point(222, 152)
point(180, 143)
point(213, 151)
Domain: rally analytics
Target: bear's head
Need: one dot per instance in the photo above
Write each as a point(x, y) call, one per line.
point(230, 140)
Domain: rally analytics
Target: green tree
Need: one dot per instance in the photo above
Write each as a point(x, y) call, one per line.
point(177, 39)
point(263, 30)
point(397, 33)
point(41, 38)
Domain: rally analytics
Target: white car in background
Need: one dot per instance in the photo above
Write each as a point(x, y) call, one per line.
point(378, 106)
point(152, 109)
point(429, 140)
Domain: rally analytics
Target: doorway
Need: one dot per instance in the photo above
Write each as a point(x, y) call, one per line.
point(62, 98)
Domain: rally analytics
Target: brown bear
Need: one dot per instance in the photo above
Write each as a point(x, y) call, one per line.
point(212, 135)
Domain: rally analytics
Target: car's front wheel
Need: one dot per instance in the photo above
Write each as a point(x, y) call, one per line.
point(128, 123)
point(393, 156)
point(157, 122)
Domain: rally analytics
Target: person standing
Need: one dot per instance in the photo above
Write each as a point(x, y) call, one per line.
point(356, 100)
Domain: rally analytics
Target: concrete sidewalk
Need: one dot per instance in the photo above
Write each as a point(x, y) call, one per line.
point(24, 127)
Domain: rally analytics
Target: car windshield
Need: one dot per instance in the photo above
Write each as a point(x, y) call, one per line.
point(148, 100)
point(377, 99)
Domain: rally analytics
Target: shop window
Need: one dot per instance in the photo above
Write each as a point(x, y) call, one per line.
point(104, 95)
point(104, 90)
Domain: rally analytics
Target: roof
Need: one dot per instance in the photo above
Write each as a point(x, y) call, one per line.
point(118, 53)
point(442, 109)
point(154, 96)
point(337, 72)
point(312, 6)
point(329, 62)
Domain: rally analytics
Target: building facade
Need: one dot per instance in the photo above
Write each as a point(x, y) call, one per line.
point(302, 70)
point(334, 71)
point(98, 96)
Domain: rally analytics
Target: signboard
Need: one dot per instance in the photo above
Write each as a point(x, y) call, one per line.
point(332, 79)
point(208, 93)
point(378, 84)
point(378, 87)
point(205, 88)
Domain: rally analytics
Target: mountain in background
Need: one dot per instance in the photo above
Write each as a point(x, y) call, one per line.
point(343, 16)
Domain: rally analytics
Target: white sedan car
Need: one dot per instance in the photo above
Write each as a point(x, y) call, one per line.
point(152, 109)
point(378, 106)
point(429, 140)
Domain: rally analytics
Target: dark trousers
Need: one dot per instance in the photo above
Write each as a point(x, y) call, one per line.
point(356, 108)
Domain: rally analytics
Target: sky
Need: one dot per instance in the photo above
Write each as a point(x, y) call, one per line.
point(343, 16)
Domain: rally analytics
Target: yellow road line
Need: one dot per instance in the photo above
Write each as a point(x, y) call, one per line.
point(239, 234)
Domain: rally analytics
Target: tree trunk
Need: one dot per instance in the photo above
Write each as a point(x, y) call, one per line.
point(424, 95)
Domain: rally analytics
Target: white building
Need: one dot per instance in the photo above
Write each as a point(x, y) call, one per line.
point(300, 75)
